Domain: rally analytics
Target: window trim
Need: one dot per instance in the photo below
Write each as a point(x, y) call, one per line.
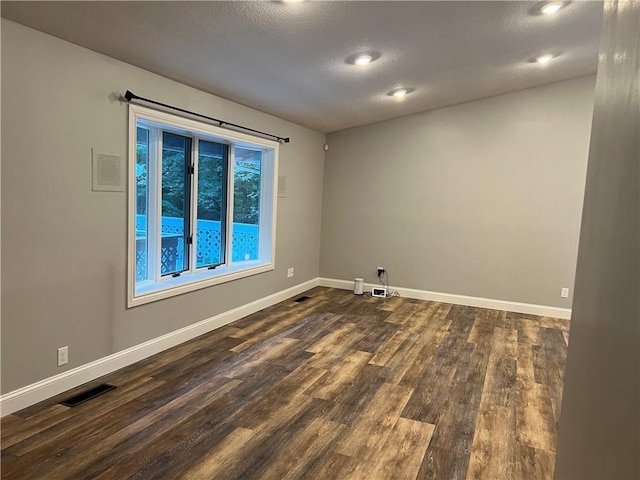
point(201, 279)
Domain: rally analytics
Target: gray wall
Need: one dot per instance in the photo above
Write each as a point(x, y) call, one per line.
point(599, 433)
point(64, 246)
point(480, 199)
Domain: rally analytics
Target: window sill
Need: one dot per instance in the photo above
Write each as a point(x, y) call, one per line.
point(195, 281)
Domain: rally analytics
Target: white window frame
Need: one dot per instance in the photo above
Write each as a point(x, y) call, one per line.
point(195, 279)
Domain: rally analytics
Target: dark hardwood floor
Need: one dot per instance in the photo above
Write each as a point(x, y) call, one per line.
point(335, 387)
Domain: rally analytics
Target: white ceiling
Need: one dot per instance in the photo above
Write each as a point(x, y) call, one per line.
point(288, 59)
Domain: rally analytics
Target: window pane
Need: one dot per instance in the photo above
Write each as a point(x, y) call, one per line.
point(142, 202)
point(176, 163)
point(246, 204)
point(212, 203)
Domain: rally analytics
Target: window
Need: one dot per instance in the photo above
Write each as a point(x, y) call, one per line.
point(202, 205)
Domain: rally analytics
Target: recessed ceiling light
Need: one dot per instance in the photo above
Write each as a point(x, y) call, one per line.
point(548, 7)
point(363, 59)
point(544, 58)
point(400, 92)
point(551, 7)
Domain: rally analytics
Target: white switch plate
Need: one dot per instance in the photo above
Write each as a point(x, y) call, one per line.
point(290, 272)
point(564, 293)
point(63, 356)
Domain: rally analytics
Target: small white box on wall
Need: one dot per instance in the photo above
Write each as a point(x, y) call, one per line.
point(108, 172)
point(282, 187)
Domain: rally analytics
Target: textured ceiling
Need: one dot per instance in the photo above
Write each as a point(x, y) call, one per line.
point(288, 59)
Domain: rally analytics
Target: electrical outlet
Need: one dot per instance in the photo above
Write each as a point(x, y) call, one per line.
point(290, 272)
point(564, 293)
point(63, 356)
point(380, 270)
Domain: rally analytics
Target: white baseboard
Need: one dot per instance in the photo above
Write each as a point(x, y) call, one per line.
point(36, 392)
point(517, 307)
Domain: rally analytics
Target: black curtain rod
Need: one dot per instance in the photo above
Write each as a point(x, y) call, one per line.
point(132, 96)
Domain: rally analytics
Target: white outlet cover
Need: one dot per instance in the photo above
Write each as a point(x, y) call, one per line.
point(564, 293)
point(63, 356)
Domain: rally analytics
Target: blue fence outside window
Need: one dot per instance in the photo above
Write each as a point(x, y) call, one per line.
point(244, 242)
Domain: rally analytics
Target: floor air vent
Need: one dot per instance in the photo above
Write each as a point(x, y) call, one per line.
point(88, 395)
point(302, 299)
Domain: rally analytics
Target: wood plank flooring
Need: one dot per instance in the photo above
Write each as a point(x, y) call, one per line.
point(335, 387)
